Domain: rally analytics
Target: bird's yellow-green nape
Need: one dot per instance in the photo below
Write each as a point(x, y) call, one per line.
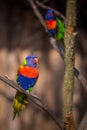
point(19, 103)
point(24, 62)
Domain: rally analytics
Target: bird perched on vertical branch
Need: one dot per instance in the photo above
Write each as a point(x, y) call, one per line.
point(54, 25)
point(27, 76)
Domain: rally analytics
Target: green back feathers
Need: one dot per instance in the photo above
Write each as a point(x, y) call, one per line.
point(60, 30)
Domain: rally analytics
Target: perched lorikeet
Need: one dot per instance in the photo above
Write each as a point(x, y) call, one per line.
point(27, 75)
point(54, 25)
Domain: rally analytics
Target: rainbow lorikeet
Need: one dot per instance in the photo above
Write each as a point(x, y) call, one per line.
point(54, 25)
point(27, 75)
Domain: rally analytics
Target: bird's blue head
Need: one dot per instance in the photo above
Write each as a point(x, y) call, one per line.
point(30, 61)
point(50, 15)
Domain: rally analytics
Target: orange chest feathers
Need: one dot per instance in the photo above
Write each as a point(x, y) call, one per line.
point(28, 72)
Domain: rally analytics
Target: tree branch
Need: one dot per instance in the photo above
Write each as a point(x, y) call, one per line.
point(69, 41)
point(57, 45)
point(47, 8)
point(32, 97)
point(45, 1)
point(83, 124)
point(37, 13)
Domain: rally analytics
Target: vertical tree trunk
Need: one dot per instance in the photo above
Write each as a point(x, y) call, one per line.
point(69, 42)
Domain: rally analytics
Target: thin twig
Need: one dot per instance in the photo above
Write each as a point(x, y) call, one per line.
point(81, 78)
point(37, 13)
point(45, 1)
point(47, 8)
point(58, 46)
point(32, 97)
point(83, 123)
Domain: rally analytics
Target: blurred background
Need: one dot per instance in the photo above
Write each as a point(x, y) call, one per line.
point(21, 34)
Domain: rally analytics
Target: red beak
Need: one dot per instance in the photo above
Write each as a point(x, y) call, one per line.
point(36, 61)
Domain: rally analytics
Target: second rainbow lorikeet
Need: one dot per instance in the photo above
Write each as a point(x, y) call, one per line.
point(54, 25)
point(27, 76)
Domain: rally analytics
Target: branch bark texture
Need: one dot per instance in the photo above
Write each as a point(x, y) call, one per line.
point(69, 42)
point(32, 97)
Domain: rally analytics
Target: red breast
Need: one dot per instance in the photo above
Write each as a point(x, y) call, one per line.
point(51, 24)
point(28, 71)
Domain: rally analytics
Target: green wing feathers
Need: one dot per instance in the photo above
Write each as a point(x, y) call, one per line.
point(60, 30)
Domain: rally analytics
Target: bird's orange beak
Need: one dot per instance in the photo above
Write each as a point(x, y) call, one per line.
point(36, 61)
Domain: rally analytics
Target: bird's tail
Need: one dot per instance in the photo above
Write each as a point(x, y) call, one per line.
point(14, 115)
point(20, 102)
